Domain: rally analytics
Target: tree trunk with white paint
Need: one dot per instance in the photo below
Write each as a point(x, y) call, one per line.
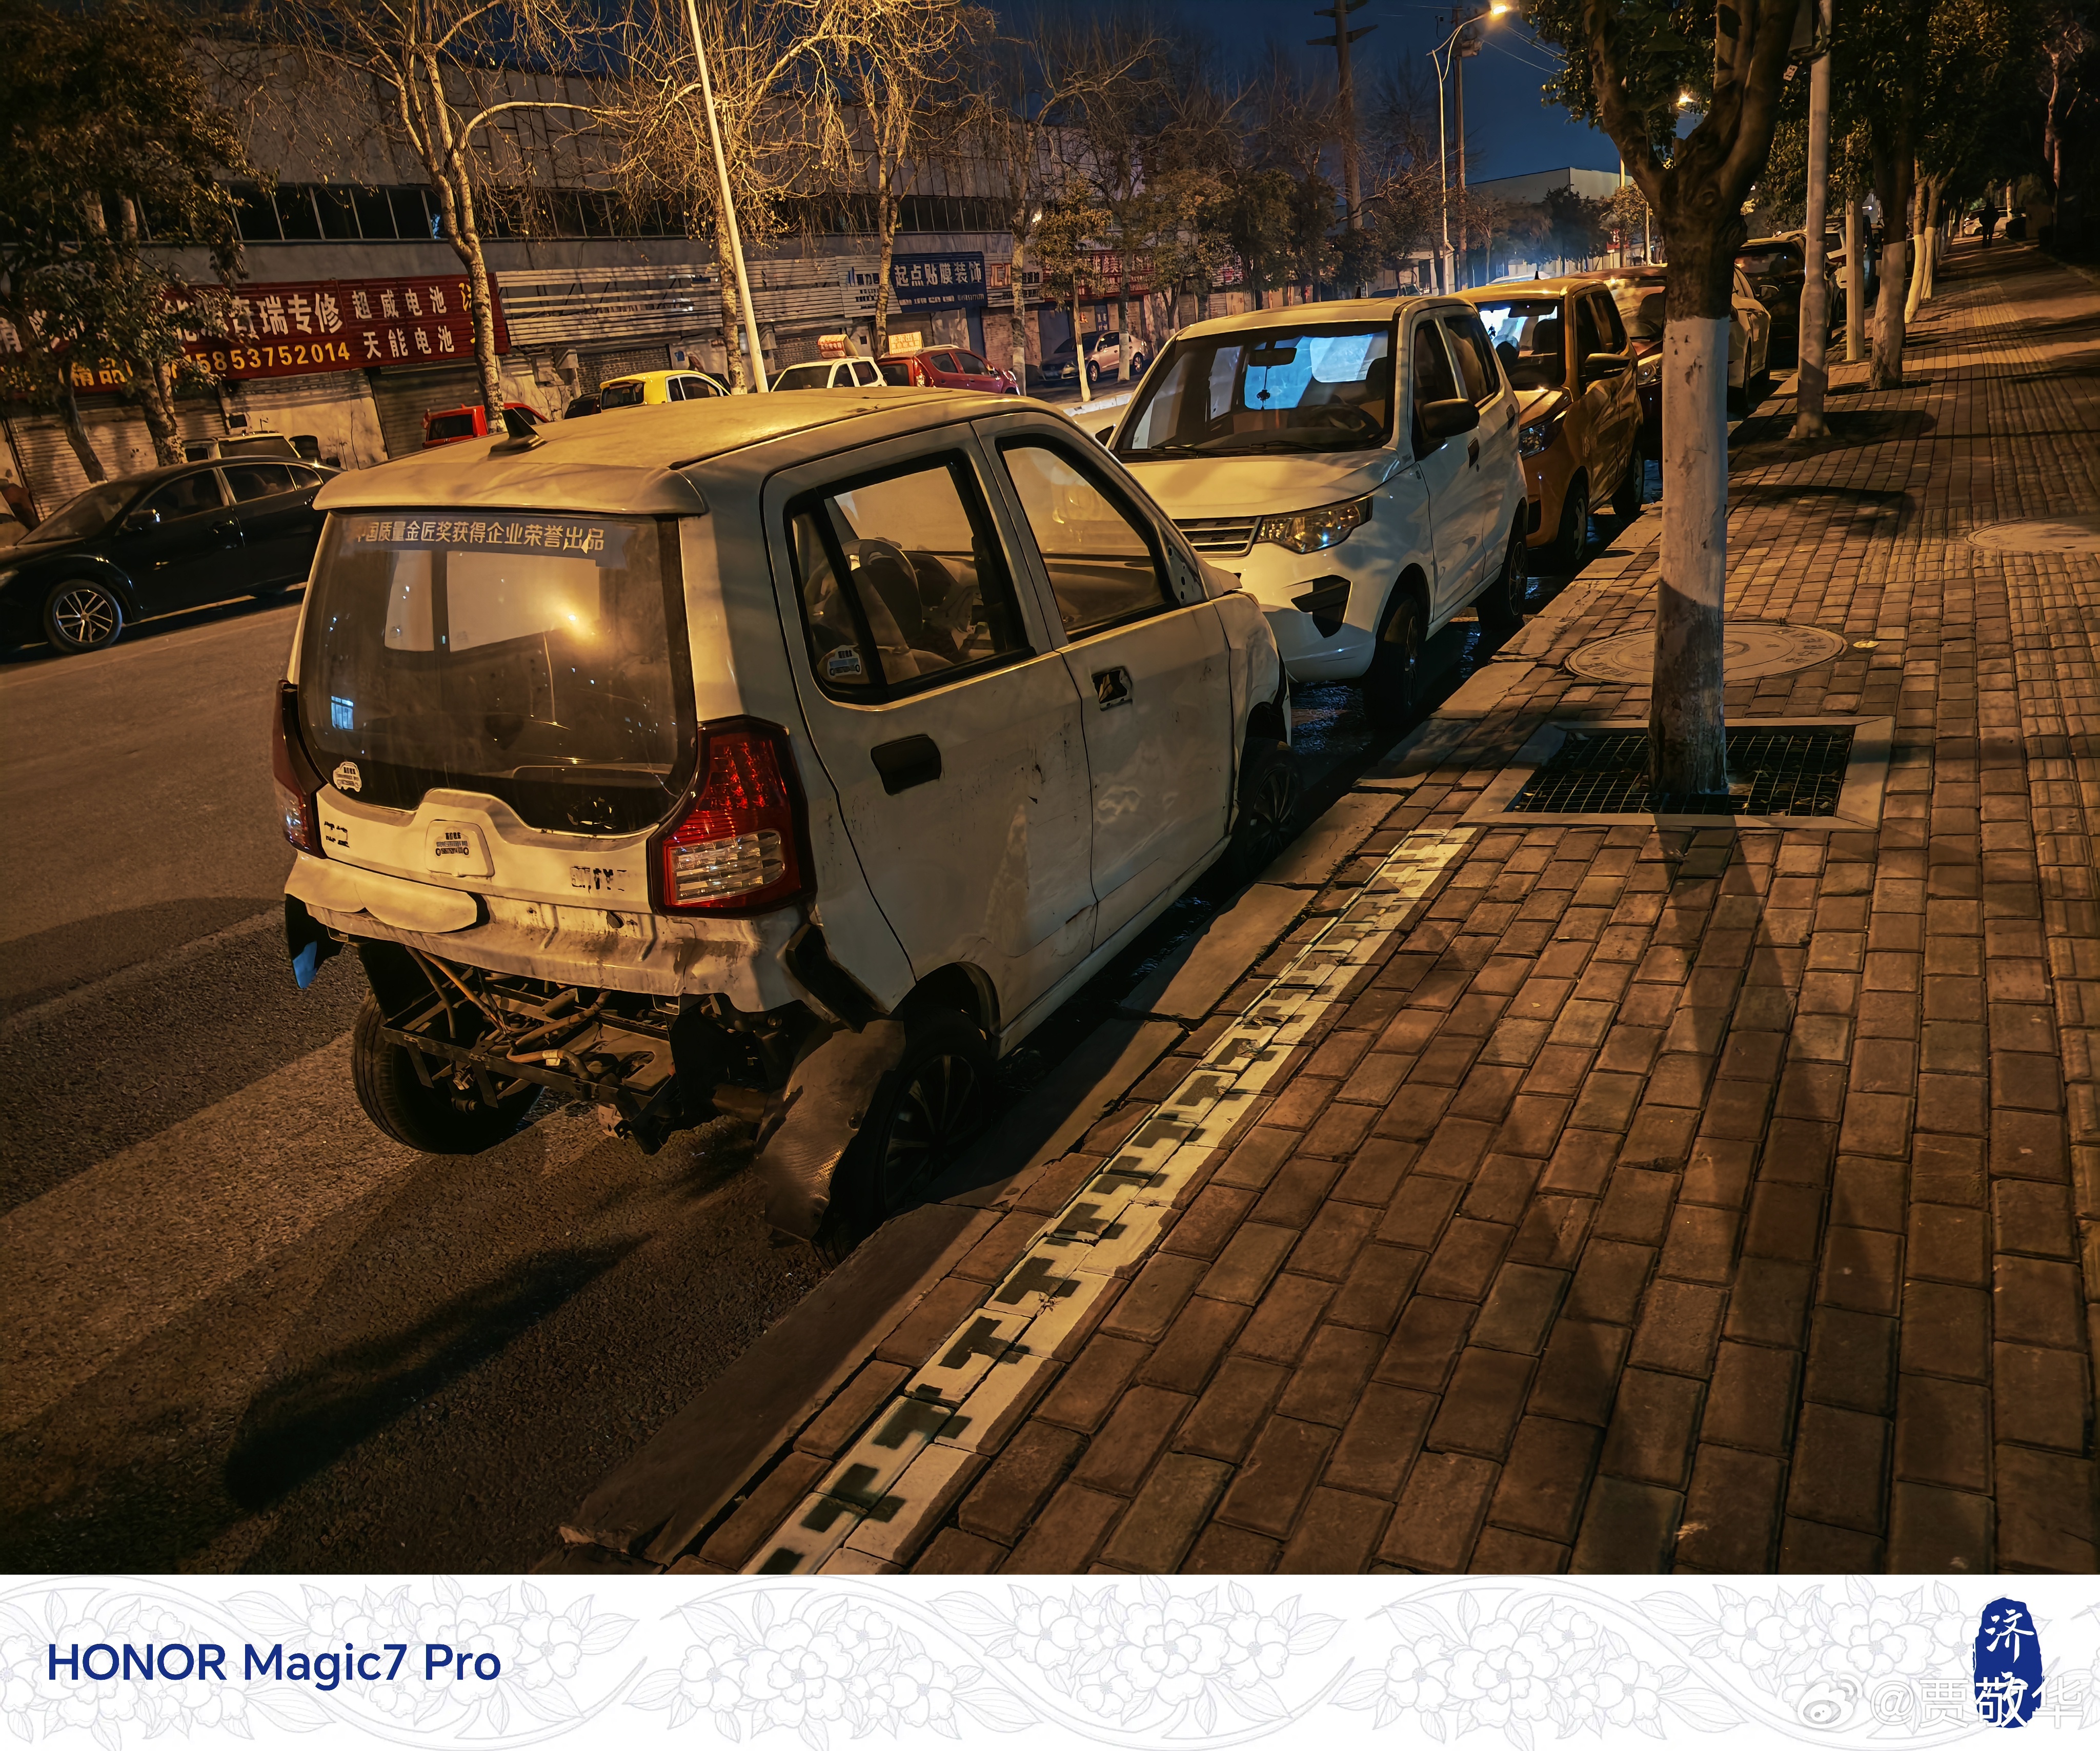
point(1813, 331)
point(1856, 285)
point(1889, 314)
point(1688, 735)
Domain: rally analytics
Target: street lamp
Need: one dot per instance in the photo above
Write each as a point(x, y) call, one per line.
point(1446, 56)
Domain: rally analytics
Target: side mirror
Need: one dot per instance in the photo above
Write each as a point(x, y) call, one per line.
point(1441, 420)
point(1598, 366)
point(140, 521)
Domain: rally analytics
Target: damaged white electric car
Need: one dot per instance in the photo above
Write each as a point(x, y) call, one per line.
point(785, 758)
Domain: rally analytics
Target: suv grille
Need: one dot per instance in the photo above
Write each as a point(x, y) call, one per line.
point(1218, 536)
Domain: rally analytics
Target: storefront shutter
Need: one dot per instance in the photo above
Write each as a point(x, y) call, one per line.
point(404, 397)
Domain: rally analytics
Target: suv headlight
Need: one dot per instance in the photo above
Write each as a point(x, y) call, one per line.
point(1536, 438)
point(1310, 531)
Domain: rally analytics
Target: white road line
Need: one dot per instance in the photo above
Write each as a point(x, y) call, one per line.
point(98, 1264)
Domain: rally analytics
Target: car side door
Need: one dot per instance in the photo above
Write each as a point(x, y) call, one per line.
point(939, 708)
point(1447, 479)
point(279, 528)
point(182, 545)
point(1499, 479)
point(1149, 655)
point(1621, 405)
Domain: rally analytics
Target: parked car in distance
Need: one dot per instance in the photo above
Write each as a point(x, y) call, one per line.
point(1060, 364)
point(300, 449)
point(1639, 293)
point(1565, 349)
point(960, 712)
point(457, 425)
point(176, 537)
point(948, 368)
point(651, 388)
point(830, 374)
point(580, 406)
point(1355, 463)
point(1777, 271)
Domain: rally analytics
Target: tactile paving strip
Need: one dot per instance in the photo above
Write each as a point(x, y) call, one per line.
point(967, 1400)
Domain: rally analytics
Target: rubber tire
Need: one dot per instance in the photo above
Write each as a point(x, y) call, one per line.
point(1500, 604)
point(1632, 489)
point(1571, 545)
point(395, 1098)
point(60, 640)
point(1392, 684)
point(1270, 791)
point(867, 1190)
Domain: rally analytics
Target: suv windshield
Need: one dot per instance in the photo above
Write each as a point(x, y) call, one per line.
point(1266, 391)
point(1773, 261)
point(622, 394)
point(1530, 339)
point(527, 657)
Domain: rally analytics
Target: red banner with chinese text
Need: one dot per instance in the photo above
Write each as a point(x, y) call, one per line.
point(289, 328)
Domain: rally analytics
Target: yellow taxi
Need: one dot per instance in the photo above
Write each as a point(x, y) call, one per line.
point(1565, 349)
point(650, 389)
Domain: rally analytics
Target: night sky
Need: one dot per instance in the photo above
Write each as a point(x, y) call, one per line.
point(1509, 130)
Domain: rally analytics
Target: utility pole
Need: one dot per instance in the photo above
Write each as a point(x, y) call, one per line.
point(728, 214)
point(1466, 45)
point(1352, 175)
point(1855, 287)
point(1815, 326)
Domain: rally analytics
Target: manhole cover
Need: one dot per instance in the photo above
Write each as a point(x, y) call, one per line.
point(1771, 772)
point(2039, 535)
point(1750, 650)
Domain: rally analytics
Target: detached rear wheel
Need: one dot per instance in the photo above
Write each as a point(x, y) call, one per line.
point(81, 615)
point(437, 1121)
point(1392, 684)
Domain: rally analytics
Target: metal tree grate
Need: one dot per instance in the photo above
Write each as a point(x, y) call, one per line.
point(1771, 772)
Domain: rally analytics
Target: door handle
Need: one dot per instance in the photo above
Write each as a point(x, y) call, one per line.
point(1472, 452)
point(913, 760)
point(1112, 687)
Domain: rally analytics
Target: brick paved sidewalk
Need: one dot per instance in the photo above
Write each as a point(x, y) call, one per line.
point(1726, 1200)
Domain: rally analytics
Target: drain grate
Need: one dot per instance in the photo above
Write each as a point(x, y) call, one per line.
point(1773, 772)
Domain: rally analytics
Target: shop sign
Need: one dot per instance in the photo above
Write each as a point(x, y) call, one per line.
point(936, 282)
point(289, 328)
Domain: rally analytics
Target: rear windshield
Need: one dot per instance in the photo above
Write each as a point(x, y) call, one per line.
point(804, 376)
point(448, 426)
point(529, 657)
point(1529, 339)
point(1774, 261)
point(623, 395)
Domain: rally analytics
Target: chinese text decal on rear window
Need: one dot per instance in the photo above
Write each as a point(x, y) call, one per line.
point(423, 531)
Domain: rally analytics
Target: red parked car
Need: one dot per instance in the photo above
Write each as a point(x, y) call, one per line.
point(948, 368)
point(457, 425)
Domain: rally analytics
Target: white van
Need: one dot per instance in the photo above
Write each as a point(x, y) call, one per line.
point(1354, 464)
point(787, 756)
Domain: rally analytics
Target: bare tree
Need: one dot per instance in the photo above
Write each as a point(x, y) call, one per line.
point(894, 101)
point(448, 75)
point(1027, 86)
point(770, 78)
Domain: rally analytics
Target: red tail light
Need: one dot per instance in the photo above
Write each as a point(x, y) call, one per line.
point(741, 845)
point(298, 783)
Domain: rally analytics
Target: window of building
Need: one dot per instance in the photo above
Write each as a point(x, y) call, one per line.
point(339, 213)
point(375, 217)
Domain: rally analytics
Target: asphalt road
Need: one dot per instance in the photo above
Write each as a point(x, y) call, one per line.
point(243, 1329)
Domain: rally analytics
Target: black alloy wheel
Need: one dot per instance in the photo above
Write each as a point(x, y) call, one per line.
point(1393, 683)
point(1270, 791)
point(1632, 488)
point(1500, 606)
point(80, 614)
point(1571, 546)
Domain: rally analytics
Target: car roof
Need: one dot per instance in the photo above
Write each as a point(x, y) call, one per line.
point(1553, 285)
point(1305, 315)
point(652, 461)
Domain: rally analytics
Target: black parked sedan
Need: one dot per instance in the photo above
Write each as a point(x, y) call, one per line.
point(170, 538)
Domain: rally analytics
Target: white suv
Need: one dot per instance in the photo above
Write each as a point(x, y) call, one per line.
point(1355, 463)
point(787, 756)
